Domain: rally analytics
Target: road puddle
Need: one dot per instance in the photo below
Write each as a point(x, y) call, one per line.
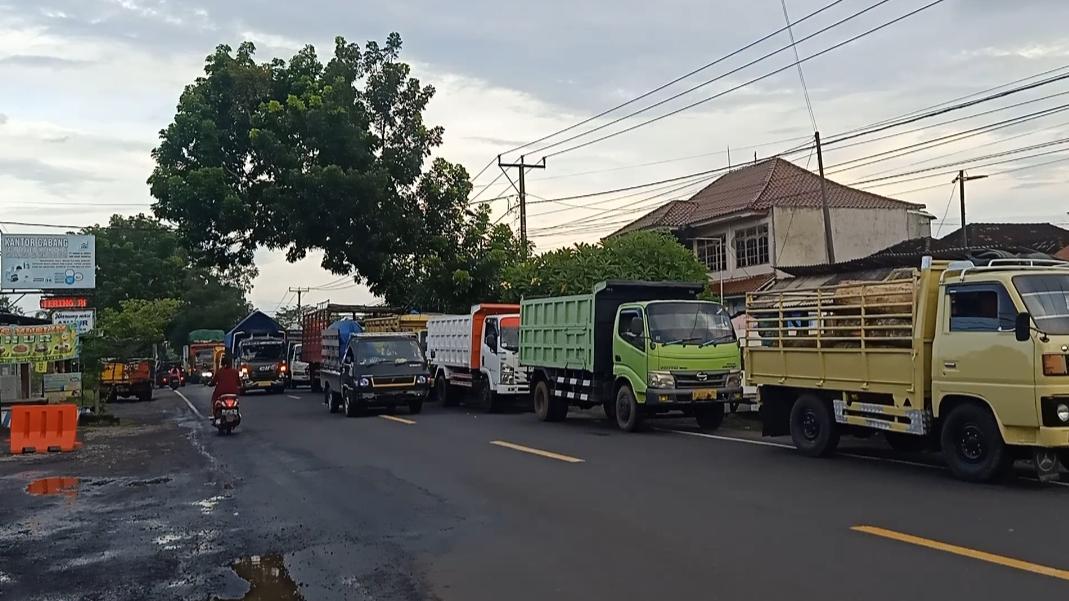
point(268, 579)
point(57, 485)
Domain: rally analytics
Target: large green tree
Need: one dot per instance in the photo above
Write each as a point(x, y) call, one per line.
point(651, 256)
point(302, 155)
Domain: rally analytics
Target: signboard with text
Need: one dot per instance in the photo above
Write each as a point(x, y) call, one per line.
point(64, 302)
point(47, 261)
point(82, 321)
point(60, 387)
point(37, 344)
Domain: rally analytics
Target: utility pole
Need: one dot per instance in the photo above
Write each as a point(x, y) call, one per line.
point(961, 179)
point(828, 246)
point(522, 190)
point(299, 291)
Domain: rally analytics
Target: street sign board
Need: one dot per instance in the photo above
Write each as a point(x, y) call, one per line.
point(64, 302)
point(60, 387)
point(37, 344)
point(47, 261)
point(82, 321)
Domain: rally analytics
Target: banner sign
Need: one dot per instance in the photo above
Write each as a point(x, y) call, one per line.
point(59, 387)
point(47, 261)
point(82, 321)
point(37, 344)
point(64, 302)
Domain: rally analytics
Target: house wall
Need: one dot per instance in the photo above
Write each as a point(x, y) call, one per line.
point(728, 229)
point(855, 232)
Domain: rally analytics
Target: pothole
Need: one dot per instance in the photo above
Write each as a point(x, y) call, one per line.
point(56, 485)
point(267, 577)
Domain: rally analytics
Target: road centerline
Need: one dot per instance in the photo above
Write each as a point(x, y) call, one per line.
point(293, 396)
point(539, 452)
point(400, 420)
point(1001, 560)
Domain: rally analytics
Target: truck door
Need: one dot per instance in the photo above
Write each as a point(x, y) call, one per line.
point(491, 361)
point(976, 354)
point(629, 349)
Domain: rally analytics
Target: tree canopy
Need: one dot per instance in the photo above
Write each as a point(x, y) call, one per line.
point(650, 256)
point(300, 155)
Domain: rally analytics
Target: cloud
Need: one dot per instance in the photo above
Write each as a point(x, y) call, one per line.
point(3, 118)
point(46, 174)
point(36, 60)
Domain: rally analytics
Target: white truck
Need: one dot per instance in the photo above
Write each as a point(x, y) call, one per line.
point(477, 353)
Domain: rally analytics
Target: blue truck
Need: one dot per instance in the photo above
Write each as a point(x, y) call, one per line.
point(257, 345)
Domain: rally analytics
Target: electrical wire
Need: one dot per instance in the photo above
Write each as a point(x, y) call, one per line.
point(953, 189)
point(797, 59)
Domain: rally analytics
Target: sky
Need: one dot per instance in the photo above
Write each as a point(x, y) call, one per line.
point(88, 84)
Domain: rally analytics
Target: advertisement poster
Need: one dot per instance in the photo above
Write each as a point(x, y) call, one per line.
point(60, 387)
point(37, 344)
point(47, 261)
point(81, 320)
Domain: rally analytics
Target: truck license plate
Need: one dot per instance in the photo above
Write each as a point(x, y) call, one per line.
point(704, 394)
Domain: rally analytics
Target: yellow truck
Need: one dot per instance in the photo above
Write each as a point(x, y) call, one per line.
point(412, 322)
point(968, 359)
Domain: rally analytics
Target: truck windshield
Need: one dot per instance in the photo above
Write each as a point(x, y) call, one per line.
point(261, 352)
point(204, 357)
point(689, 323)
point(402, 350)
point(1047, 298)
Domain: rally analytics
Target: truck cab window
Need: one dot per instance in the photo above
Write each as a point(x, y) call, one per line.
point(974, 310)
point(631, 327)
point(490, 337)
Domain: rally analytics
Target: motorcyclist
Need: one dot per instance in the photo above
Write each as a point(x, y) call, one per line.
point(175, 374)
point(227, 380)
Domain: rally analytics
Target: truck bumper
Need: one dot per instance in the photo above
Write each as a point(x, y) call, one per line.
point(513, 389)
point(382, 398)
point(683, 398)
point(261, 384)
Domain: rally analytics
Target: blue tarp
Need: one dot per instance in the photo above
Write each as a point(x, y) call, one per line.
point(345, 329)
point(256, 323)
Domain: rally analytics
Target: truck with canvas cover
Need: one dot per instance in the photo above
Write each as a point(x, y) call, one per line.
point(410, 322)
point(638, 349)
point(316, 321)
point(258, 347)
point(362, 370)
point(477, 353)
point(968, 359)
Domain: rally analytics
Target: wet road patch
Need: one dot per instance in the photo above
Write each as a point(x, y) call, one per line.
point(268, 579)
point(57, 485)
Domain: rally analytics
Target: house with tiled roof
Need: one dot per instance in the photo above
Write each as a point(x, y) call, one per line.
point(752, 220)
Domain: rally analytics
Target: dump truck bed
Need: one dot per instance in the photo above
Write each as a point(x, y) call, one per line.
point(557, 332)
point(856, 336)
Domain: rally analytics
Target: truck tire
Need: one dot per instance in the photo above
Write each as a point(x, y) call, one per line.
point(547, 407)
point(710, 418)
point(813, 426)
point(628, 413)
point(487, 398)
point(349, 405)
point(443, 391)
point(328, 399)
point(972, 444)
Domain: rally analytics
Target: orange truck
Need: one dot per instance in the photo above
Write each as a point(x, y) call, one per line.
point(126, 379)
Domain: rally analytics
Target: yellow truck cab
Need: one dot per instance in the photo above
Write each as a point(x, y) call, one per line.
point(970, 359)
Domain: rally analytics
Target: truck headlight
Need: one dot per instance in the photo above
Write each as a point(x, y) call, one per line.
point(1062, 412)
point(421, 380)
point(733, 381)
point(364, 382)
point(662, 379)
point(244, 371)
point(205, 374)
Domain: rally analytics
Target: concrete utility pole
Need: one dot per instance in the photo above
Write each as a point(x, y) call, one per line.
point(522, 190)
point(299, 291)
point(828, 246)
point(961, 179)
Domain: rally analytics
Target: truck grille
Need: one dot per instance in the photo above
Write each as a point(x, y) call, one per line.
point(699, 379)
point(394, 381)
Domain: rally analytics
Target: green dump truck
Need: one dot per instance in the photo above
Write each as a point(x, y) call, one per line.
point(638, 349)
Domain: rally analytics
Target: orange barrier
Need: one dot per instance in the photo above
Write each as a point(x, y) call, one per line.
point(43, 428)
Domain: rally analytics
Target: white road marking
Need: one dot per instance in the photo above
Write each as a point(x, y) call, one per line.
point(292, 396)
point(400, 420)
point(190, 404)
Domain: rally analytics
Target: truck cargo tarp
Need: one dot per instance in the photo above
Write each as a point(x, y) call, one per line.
point(344, 330)
point(256, 323)
point(206, 336)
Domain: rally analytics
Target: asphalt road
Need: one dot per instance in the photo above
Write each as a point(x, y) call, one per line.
point(450, 506)
point(456, 505)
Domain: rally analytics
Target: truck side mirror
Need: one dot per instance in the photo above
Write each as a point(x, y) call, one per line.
point(491, 341)
point(1022, 327)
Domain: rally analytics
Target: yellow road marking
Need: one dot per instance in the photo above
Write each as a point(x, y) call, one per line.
point(539, 452)
point(400, 420)
point(965, 552)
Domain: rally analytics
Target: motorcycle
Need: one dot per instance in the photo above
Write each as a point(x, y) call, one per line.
point(174, 381)
point(225, 413)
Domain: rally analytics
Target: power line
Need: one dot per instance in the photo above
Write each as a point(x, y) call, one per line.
point(797, 60)
point(676, 80)
point(740, 86)
point(946, 210)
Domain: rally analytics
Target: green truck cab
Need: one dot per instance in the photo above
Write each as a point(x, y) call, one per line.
point(638, 349)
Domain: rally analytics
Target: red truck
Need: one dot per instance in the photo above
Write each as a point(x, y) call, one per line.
point(315, 321)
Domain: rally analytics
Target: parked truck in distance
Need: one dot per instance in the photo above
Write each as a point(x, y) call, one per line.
point(638, 349)
point(258, 347)
point(198, 356)
point(316, 321)
point(477, 353)
point(410, 322)
point(362, 370)
point(972, 360)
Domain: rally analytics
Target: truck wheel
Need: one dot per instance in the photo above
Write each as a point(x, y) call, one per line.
point(710, 418)
point(540, 398)
point(973, 445)
point(487, 398)
point(328, 398)
point(443, 392)
point(628, 413)
point(350, 406)
point(813, 427)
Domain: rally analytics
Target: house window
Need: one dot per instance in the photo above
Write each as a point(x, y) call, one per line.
point(711, 252)
point(751, 246)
